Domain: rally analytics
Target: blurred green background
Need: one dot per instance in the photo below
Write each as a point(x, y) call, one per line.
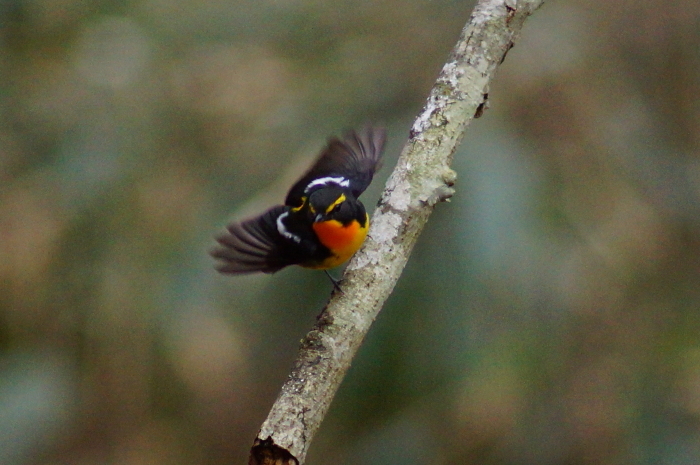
point(549, 314)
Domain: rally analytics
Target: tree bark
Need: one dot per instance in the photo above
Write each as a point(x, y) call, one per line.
point(421, 179)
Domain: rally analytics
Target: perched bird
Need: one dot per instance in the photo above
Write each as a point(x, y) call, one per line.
point(321, 224)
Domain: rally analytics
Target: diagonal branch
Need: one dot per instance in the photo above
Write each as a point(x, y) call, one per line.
point(421, 179)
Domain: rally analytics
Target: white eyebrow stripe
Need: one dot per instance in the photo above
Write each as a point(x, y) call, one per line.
point(283, 230)
point(341, 181)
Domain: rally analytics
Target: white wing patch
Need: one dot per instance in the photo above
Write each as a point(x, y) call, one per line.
point(341, 181)
point(283, 230)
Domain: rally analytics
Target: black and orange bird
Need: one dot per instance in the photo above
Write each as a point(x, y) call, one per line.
point(321, 224)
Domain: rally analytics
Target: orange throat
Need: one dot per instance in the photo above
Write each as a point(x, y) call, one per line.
point(342, 241)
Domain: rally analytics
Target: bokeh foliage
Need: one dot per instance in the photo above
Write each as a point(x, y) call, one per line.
point(549, 314)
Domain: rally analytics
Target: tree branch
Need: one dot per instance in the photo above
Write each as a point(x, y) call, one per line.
point(421, 179)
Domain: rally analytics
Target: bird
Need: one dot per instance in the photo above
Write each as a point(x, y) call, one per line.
point(322, 222)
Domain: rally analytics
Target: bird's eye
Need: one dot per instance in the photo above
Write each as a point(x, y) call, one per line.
point(336, 205)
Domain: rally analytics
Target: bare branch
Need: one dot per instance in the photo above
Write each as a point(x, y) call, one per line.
point(421, 179)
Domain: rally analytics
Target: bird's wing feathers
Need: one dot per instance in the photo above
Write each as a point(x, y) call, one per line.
point(355, 159)
point(253, 245)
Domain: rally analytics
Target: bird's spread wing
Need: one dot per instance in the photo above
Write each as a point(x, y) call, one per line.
point(253, 245)
point(350, 162)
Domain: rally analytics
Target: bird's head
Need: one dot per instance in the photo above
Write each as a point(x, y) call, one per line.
point(334, 203)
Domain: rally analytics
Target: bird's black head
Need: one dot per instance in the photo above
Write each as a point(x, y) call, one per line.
point(334, 202)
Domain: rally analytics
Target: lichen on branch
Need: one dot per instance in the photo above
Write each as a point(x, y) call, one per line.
point(421, 179)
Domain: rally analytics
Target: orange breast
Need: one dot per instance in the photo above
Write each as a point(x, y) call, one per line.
point(343, 241)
